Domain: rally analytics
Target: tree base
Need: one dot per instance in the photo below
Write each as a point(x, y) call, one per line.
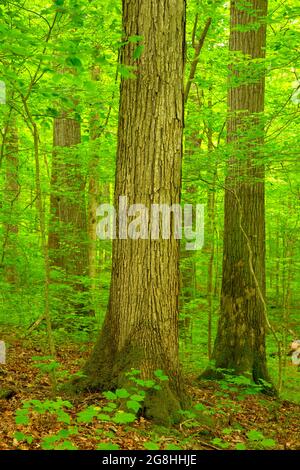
point(107, 370)
point(215, 375)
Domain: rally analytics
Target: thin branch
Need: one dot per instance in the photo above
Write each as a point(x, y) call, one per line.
point(198, 49)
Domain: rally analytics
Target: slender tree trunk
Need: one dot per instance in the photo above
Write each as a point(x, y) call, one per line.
point(187, 258)
point(12, 189)
point(289, 255)
point(141, 326)
point(211, 203)
point(44, 244)
point(240, 342)
point(277, 270)
point(216, 288)
point(93, 190)
point(188, 277)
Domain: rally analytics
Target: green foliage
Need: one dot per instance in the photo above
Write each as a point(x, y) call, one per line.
point(20, 436)
point(258, 440)
point(138, 52)
point(107, 446)
point(122, 408)
point(220, 443)
point(151, 445)
point(240, 446)
point(122, 417)
point(87, 415)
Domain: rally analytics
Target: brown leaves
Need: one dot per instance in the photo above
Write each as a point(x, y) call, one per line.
point(229, 425)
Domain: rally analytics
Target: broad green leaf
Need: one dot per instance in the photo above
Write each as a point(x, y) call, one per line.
point(122, 393)
point(121, 417)
point(138, 52)
point(133, 405)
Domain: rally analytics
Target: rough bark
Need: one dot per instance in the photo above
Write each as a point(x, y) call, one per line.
point(68, 226)
point(93, 189)
point(12, 189)
point(211, 213)
point(141, 326)
point(240, 341)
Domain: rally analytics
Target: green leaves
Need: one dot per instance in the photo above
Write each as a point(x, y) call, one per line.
point(138, 52)
point(260, 440)
point(126, 71)
point(240, 446)
point(22, 417)
point(73, 61)
point(135, 38)
point(254, 435)
point(122, 393)
point(138, 397)
point(268, 443)
point(58, 442)
point(107, 446)
point(220, 443)
point(200, 407)
point(20, 436)
point(151, 445)
point(160, 375)
point(87, 415)
point(110, 395)
point(121, 417)
point(133, 405)
point(63, 417)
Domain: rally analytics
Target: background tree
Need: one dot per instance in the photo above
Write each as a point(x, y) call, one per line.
point(240, 341)
point(12, 191)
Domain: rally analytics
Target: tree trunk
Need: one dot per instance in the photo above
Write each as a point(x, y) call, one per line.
point(141, 326)
point(12, 189)
point(211, 211)
point(93, 189)
point(68, 227)
point(240, 342)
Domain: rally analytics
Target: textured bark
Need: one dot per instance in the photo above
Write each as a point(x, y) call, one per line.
point(67, 232)
point(12, 189)
point(211, 210)
point(240, 342)
point(141, 326)
point(188, 264)
point(188, 269)
point(93, 189)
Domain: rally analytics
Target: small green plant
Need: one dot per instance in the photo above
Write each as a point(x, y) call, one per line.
point(21, 437)
point(150, 445)
point(220, 443)
point(259, 441)
point(240, 446)
point(55, 408)
point(122, 408)
point(107, 446)
point(45, 364)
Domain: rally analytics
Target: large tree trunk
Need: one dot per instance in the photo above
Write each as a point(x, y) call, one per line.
point(240, 342)
point(141, 326)
point(68, 229)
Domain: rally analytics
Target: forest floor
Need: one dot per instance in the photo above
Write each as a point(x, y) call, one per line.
point(253, 422)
